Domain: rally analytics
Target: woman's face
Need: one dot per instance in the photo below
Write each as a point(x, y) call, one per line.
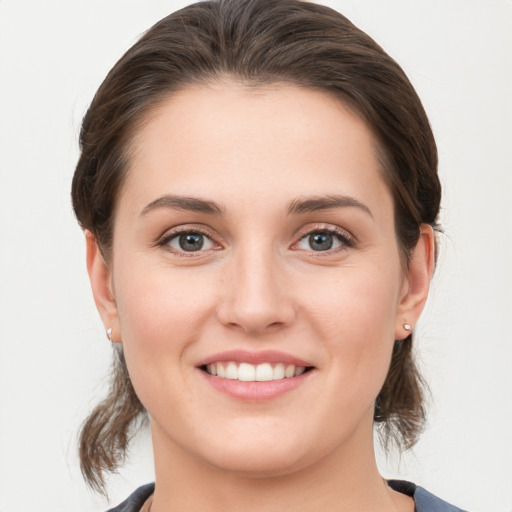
point(254, 239)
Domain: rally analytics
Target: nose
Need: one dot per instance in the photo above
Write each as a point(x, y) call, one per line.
point(256, 298)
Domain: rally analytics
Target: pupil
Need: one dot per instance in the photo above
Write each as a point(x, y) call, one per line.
point(191, 242)
point(320, 241)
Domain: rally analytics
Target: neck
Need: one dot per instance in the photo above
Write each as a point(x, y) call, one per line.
point(345, 479)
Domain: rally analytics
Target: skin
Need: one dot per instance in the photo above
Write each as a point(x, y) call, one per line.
point(259, 285)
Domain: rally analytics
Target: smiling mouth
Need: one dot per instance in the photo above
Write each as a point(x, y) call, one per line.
point(247, 372)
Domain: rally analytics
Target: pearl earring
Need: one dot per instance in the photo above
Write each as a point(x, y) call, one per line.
point(109, 333)
point(407, 327)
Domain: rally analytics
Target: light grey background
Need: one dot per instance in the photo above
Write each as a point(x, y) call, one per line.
point(53, 353)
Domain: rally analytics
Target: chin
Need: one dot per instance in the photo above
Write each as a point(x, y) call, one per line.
point(259, 456)
point(257, 463)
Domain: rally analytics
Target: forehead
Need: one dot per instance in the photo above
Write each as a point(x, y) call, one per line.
point(232, 139)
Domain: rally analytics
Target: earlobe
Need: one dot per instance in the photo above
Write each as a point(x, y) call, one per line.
point(100, 276)
point(416, 283)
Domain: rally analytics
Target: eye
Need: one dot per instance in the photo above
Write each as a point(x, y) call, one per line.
point(324, 240)
point(188, 241)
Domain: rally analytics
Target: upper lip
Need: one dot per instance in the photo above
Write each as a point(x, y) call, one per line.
point(246, 356)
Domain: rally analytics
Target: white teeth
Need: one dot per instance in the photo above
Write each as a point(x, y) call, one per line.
point(231, 371)
point(264, 372)
point(279, 371)
point(247, 372)
point(254, 373)
point(289, 371)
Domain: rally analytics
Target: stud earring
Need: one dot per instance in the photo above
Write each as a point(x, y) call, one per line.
point(407, 327)
point(109, 333)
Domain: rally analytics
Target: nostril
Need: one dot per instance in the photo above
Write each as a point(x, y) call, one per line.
point(276, 324)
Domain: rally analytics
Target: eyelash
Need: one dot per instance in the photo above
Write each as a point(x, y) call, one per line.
point(192, 230)
point(344, 237)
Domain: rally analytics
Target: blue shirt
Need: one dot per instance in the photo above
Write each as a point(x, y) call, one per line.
point(424, 501)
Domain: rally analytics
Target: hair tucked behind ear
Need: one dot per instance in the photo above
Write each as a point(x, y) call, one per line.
point(106, 433)
point(256, 42)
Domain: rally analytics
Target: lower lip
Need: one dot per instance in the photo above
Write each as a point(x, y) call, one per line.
point(255, 391)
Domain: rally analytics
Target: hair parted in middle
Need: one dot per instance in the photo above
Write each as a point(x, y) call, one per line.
point(255, 43)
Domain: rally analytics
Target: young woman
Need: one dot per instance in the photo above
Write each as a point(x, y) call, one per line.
point(259, 193)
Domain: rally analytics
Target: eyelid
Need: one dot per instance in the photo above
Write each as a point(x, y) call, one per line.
point(347, 238)
point(164, 239)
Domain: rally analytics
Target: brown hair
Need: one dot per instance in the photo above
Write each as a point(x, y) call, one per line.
point(256, 42)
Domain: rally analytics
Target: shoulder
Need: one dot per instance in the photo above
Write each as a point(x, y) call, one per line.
point(424, 500)
point(135, 501)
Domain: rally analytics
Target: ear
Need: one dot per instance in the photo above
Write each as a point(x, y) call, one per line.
point(416, 284)
point(100, 276)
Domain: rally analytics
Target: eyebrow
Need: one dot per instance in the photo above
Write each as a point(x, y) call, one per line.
point(297, 206)
point(191, 204)
point(317, 203)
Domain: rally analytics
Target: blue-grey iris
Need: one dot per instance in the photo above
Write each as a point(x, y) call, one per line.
point(191, 242)
point(320, 241)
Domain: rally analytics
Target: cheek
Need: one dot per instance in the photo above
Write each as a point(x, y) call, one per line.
point(154, 297)
point(161, 313)
point(354, 300)
point(355, 317)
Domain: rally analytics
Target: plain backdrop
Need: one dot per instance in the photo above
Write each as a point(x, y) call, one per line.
point(54, 356)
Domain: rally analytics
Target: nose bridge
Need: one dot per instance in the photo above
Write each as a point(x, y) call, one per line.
point(256, 298)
